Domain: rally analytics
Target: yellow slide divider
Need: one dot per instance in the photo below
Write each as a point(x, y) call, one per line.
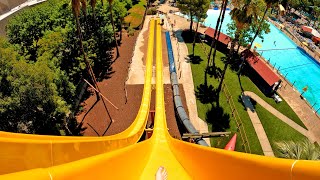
point(182, 160)
point(24, 151)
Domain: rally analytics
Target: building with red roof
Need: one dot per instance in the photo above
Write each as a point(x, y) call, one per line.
point(267, 80)
point(223, 40)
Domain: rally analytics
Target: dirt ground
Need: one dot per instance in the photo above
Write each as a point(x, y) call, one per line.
point(95, 117)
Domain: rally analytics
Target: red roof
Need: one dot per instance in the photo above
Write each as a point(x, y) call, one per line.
point(261, 68)
point(222, 38)
point(315, 39)
point(306, 29)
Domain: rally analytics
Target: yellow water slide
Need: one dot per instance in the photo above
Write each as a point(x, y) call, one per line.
point(23, 151)
point(181, 160)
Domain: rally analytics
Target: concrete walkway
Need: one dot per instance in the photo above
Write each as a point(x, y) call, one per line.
point(301, 108)
point(265, 144)
point(262, 136)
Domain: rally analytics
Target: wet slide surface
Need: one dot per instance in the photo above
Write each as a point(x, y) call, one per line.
point(182, 160)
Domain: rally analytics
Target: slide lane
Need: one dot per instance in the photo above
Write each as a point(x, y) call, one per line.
point(25, 151)
point(182, 160)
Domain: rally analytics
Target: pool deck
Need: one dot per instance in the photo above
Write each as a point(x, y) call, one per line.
point(289, 32)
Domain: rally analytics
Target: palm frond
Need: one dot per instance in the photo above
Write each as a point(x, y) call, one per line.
point(298, 150)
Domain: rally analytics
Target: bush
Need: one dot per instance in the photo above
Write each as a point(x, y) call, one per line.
point(130, 31)
point(152, 11)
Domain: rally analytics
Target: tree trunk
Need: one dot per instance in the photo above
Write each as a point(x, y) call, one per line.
point(224, 6)
point(191, 22)
point(228, 61)
point(259, 26)
point(114, 32)
point(121, 21)
point(94, 16)
point(144, 15)
point(213, 43)
point(102, 2)
point(221, 83)
point(89, 69)
point(238, 48)
point(194, 38)
point(88, 66)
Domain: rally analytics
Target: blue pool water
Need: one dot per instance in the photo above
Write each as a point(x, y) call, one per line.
point(298, 67)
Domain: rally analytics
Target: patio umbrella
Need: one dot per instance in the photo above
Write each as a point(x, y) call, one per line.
point(305, 43)
point(310, 30)
point(257, 45)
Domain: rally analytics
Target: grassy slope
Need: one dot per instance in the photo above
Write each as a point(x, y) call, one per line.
point(276, 130)
point(232, 82)
point(234, 87)
point(283, 107)
point(136, 14)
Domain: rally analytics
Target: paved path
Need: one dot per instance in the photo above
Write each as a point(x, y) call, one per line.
point(183, 67)
point(265, 144)
point(262, 136)
point(299, 106)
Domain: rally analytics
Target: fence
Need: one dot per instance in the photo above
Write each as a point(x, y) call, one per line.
point(292, 85)
point(235, 115)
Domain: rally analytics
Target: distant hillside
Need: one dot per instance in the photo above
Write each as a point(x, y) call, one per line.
point(6, 5)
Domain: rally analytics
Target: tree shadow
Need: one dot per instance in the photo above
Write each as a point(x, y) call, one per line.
point(195, 59)
point(205, 94)
point(239, 79)
point(89, 111)
point(178, 34)
point(219, 120)
point(75, 127)
point(215, 72)
point(240, 101)
point(187, 36)
point(253, 102)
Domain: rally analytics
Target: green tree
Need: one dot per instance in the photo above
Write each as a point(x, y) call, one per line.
point(269, 3)
point(113, 27)
point(29, 99)
point(76, 11)
point(294, 3)
point(215, 40)
point(120, 11)
point(26, 28)
point(303, 150)
point(188, 7)
point(202, 7)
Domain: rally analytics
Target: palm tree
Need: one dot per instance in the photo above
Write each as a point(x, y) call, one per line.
point(76, 12)
point(93, 5)
point(202, 7)
point(224, 6)
point(113, 28)
point(298, 150)
point(214, 40)
point(268, 6)
point(242, 21)
point(84, 8)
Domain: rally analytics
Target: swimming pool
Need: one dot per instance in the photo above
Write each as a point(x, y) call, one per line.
point(297, 66)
